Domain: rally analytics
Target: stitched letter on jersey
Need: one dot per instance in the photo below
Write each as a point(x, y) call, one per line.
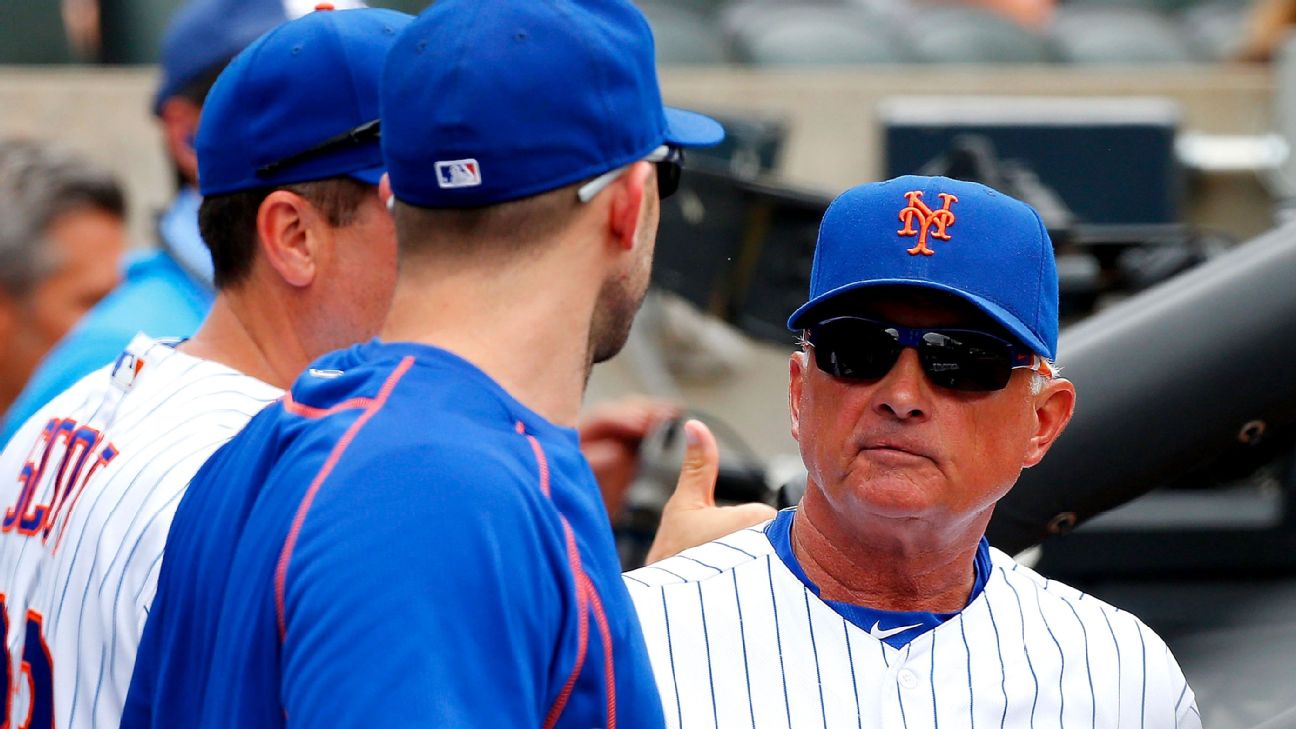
point(69, 454)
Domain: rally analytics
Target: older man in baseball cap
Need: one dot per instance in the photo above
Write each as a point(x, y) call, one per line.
point(924, 385)
point(411, 537)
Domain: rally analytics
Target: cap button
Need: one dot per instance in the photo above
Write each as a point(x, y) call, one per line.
point(324, 6)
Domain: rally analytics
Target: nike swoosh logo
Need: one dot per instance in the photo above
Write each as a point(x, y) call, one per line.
point(884, 634)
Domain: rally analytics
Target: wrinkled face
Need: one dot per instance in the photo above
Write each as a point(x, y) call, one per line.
point(361, 277)
point(623, 293)
point(901, 447)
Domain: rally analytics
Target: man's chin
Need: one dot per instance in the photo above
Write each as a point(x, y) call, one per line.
point(604, 351)
point(894, 499)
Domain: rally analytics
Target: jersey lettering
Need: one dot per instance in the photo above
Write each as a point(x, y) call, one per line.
point(79, 443)
point(37, 673)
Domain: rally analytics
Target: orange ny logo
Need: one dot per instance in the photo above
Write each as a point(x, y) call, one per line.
point(927, 219)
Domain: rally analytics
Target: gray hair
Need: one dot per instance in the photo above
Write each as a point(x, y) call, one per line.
point(38, 183)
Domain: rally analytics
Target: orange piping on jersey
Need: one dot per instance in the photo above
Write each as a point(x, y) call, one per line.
point(306, 411)
point(609, 670)
point(285, 555)
point(542, 462)
point(587, 601)
point(582, 631)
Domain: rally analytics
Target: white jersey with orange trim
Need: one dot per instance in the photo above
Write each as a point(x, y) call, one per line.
point(88, 486)
point(737, 639)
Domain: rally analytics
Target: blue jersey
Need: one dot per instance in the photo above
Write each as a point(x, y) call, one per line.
point(397, 543)
point(163, 293)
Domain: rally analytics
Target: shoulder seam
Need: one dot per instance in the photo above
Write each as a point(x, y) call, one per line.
point(285, 554)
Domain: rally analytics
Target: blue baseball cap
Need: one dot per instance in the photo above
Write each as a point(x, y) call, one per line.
point(958, 237)
point(204, 34)
point(299, 104)
point(485, 102)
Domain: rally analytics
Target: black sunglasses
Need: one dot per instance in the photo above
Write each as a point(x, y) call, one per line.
point(669, 162)
point(669, 171)
point(366, 133)
point(854, 348)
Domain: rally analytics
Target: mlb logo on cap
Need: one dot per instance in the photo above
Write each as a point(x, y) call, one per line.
point(458, 173)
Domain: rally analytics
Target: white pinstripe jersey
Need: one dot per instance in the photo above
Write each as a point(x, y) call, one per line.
point(737, 640)
point(88, 487)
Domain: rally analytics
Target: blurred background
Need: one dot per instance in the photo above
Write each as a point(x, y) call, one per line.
point(1155, 138)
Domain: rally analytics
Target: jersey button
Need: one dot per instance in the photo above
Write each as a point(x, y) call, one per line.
point(908, 679)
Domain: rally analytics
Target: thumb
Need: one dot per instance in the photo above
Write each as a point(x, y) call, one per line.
point(697, 480)
point(751, 514)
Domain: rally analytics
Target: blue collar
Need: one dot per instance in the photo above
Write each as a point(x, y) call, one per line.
point(178, 230)
point(896, 629)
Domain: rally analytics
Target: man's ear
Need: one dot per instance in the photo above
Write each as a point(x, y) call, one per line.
point(627, 193)
point(179, 118)
point(1054, 406)
point(385, 192)
point(287, 229)
point(797, 364)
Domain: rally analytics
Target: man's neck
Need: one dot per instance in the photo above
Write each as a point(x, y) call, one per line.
point(907, 566)
point(526, 326)
point(262, 345)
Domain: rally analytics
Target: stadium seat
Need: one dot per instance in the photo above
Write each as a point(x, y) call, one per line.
point(31, 31)
point(780, 35)
point(954, 34)
point(1090, 34)
point(683, 37)
point(1217, 28)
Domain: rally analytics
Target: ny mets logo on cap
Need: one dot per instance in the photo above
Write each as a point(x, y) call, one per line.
point(458, 173)
point(927, 219)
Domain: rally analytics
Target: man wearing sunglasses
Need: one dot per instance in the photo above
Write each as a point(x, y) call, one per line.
point(925, 383)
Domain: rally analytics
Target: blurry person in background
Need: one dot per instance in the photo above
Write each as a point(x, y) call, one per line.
point(167, 291)
point(62, 236)
point(82, 26)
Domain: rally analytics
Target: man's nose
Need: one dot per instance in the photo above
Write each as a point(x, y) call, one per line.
point(904, 393)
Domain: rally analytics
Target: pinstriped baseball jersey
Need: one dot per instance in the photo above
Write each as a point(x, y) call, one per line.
point(88, 487)
point(736, 639)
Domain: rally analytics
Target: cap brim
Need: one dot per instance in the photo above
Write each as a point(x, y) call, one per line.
point(801, 318)
point(369, 175)
point(690, 129)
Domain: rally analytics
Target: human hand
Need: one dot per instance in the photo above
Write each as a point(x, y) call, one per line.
point(610, 434)
point(691, 517)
